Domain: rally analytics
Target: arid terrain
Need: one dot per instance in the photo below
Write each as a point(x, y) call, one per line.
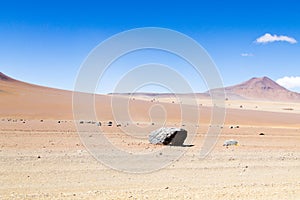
point(43, 157)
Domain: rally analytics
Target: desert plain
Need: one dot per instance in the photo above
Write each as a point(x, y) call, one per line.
point(43, 157)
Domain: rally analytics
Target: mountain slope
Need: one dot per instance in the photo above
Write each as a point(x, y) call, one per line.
point(19, 98)
point(3, 77)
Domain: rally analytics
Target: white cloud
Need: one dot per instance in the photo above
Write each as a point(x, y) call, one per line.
point(267, 38)
point(247, 54)
point(289, 82)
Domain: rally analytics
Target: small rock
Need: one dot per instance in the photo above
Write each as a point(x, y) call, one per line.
point(230, 142)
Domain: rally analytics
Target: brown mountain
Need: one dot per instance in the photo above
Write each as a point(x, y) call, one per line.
point(262, 88)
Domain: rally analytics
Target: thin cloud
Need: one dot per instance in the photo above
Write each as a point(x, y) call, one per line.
point(247, 54)
point(268, 38)
point(289, 82)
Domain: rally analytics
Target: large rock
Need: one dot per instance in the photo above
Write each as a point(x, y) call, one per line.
point(168, 136)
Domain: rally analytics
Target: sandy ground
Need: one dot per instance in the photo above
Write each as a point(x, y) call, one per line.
point(46, 160)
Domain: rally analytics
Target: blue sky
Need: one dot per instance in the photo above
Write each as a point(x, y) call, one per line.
point(45, 42)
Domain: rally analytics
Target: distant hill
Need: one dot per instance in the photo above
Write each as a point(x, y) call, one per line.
point(262, 88)
point(162, 95)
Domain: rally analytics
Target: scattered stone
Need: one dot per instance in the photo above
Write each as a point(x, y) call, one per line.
point(261, 134)
point(39, 157)
point(168, 136)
